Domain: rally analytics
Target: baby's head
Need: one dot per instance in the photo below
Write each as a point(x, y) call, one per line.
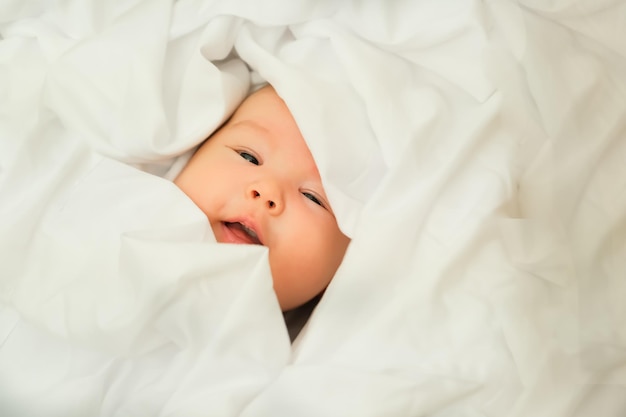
point(257, 183)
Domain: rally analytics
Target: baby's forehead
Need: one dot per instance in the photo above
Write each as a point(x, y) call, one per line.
point(262, 102)
point(265, 112)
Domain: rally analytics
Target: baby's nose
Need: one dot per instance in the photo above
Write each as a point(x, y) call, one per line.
point(269, 194)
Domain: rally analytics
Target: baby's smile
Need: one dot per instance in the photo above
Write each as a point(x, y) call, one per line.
point(238, 232)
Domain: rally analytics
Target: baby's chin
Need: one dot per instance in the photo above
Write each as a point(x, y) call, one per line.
point(294, 284)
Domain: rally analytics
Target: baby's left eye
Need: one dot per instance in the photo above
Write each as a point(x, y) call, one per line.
point(313, 199)
point(249, 157)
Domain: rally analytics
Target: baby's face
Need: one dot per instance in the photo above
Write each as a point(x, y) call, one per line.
point(257, 183)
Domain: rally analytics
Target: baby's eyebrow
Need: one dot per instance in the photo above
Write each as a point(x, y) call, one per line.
point(250, 124)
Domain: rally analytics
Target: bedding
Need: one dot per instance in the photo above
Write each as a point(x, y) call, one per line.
point(473, 151)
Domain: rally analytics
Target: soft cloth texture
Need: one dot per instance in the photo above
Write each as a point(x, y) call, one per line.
point(474, 151)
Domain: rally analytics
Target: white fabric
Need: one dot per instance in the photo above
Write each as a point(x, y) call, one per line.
point(474, 151)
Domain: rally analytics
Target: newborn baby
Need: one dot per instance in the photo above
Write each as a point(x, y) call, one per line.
point(257, 183)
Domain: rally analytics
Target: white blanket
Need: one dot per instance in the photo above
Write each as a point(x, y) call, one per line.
point(474, 151)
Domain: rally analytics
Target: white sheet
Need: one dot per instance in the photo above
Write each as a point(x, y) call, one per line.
point(472, 150)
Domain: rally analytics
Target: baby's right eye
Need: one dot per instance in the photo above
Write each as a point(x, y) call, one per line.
point(249, 157)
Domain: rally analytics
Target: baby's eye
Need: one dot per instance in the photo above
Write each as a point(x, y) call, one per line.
point(313, 199)
point(248, 157)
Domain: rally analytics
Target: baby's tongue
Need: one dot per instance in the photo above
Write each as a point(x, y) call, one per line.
point(240, 233)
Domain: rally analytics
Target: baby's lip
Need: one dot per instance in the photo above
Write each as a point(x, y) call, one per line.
point(241, 231)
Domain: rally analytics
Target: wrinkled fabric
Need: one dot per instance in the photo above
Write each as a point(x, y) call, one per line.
point(473, 151)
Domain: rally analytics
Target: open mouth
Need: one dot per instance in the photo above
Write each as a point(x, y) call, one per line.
point(243, 233)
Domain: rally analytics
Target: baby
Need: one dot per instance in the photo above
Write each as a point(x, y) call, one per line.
point(257, 183)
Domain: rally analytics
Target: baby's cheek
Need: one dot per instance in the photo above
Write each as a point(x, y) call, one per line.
point(305, 258)
point(299, 271)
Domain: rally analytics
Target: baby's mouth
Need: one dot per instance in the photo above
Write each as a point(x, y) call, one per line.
point(243, 233)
